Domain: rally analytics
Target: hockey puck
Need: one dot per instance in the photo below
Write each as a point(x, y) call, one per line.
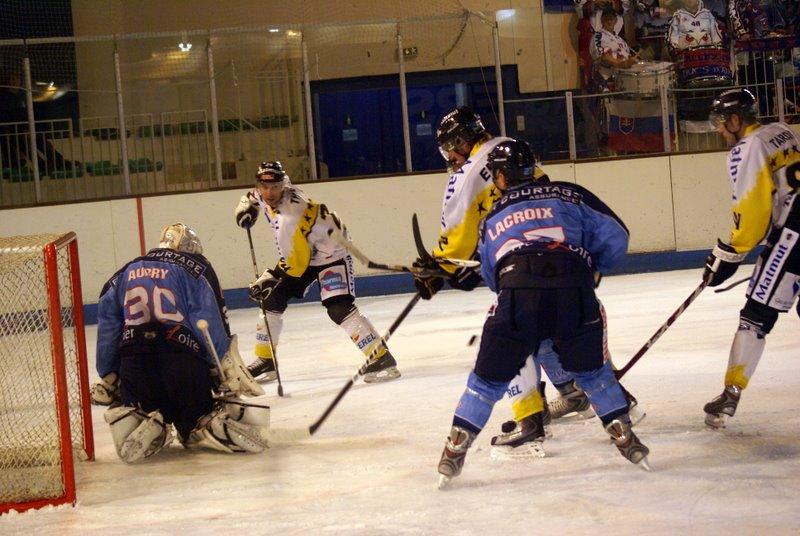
point(472, 340)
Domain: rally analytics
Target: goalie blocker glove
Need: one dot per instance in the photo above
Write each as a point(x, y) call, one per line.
point(246, 211)
point(721, 264)
point(261, 288)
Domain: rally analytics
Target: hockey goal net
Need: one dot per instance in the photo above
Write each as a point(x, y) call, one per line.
point(44, 399)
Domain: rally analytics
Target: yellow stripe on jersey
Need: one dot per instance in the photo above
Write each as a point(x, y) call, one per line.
point(460, 241)
point(299, 256)
point(752, 214)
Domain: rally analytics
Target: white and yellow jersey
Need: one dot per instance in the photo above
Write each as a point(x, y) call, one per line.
point(758, 172)
point(468, 198)
point(301, 232)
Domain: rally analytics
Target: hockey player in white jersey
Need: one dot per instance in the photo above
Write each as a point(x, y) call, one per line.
point(307, 254)
point(764, 168)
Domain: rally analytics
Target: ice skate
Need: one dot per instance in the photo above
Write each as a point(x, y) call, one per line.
point(455, 450)
point(383, 369)
point(634, 411)
point(723, 407)
point(628, 444)
point(522, 440)
point(547, 418)
point(263, 370)
point(572, 400)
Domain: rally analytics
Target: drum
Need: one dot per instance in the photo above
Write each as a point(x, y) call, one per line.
point(705, 67)
point(644, 78)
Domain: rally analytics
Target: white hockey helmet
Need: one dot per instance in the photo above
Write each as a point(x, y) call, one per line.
point(180, 237)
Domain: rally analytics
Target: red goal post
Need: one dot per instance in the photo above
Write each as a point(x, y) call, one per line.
point(45, 412)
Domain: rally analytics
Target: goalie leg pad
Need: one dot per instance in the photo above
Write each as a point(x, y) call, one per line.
point(237, 379)
point(247, 412)
point(218, 431)
point(137, 435)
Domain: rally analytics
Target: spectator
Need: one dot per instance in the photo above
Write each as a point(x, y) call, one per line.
point(589, 14)
point(609, 50)
point(693, 26)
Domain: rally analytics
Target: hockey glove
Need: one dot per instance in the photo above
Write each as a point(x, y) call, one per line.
point(106, 391)
point(246, 211)
point(721, 264)
point(465, 279)
point(429, 285)
point(261, 288)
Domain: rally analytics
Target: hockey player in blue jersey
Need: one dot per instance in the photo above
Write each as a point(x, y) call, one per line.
point(156, 370)
point(543, 246)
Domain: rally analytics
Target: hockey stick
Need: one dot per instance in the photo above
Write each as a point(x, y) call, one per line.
point(298, 434)
point(732, 285)
point(266, 318)
point(671, 320)
point(202, 325)
point(337, 233)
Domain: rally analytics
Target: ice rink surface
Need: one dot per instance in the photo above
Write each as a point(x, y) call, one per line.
point(371, 468)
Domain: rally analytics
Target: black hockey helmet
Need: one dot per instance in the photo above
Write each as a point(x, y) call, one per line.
point(462, 125)
point(515, 159)
point(270, 172)
point(738, 101)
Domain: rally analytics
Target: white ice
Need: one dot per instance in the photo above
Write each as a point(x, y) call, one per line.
point(371, 468)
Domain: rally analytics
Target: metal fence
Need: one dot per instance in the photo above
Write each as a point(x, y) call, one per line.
point(114, 116)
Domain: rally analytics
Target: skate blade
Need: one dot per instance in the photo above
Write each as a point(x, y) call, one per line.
point(385, 375)
point(267, 377)
point(444, 481)
point(574, 417)
point(636, 415)
point(526, 451)
point(716, 422)
point(644, 464)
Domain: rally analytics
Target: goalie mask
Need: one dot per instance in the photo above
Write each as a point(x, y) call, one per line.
point(514, 158)
point(180, 237)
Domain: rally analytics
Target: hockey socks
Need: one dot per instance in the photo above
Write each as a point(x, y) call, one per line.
point(549, 361)
point(523, 393)
point(746, 350)
point(604, 392)
point(475, 406)
point(263, 349)
point(364, 335)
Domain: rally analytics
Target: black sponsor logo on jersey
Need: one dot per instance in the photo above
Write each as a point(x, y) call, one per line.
point(737, 219)
point(772, 270)
point(190, 263)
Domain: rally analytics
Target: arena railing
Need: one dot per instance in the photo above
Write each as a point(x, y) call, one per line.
point(136, 115)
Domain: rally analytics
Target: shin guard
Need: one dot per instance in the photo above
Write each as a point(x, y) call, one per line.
point(604, 392)
point(262, 348)
point(523, 393)
point(746, 350)
point(475, 406)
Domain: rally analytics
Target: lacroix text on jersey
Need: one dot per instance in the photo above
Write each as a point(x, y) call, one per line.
point(520, 216)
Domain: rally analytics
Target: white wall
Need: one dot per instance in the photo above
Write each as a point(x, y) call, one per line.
point(669, 203)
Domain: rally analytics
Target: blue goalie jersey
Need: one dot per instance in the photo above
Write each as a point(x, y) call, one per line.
point(555, 216)
point(153, 303)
